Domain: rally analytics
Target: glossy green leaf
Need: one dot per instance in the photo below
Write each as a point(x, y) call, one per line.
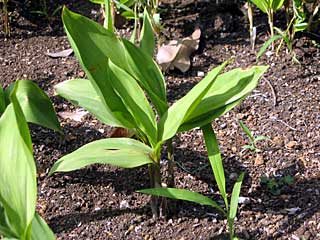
point(121, 152)
point(18, 173)
point(227, 92)
point(215, 159)
point(182, 194)
point(235, 196)
point(40, 230)
point(261, 4)
point(81, 92)
point(147, 40)
point(85, 34)
point(35, 104)
point(277, 4)
point(147, 73)
point(135, 101)
point(183, 108)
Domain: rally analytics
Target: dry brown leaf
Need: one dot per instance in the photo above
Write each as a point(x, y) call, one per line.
point(177, 53)
point(76, 115)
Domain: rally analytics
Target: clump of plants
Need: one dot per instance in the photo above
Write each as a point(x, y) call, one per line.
point(276, 185)
point(126, 89)
point(18, 184)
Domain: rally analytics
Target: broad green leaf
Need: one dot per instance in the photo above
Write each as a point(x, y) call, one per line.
point(235, 196)
point(40, 229)
point(134, 99)
point(182, 194)
point(227, 92)
point(277, 4)
point(147, 73)
point(147, 40)
point(247, 131)
point(81, 92)
point(36, 105)
point(121, 152)
point(215, 159)
point(85, 34)
point(183, 108)
point(266, 45)
point(18, 173)
point(261, 4)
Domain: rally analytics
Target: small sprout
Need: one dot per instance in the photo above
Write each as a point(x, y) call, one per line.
point(276, 185)
point(253, 140)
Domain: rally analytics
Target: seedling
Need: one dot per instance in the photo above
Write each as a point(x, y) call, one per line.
point(276, 185)
point(6, 26)
point(253, 140)
point(18, 184)
point(44, 11)
point(269, 7)
point(231, 207)
point(126, 89)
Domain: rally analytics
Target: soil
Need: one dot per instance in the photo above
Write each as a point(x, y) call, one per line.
point(100, 202)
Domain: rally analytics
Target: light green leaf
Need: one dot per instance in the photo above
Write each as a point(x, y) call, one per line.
point(235, 196)
point(267, 44)
point(261, 4)
point(81, 92)
point(40, 229)
point(121, 152)
point(277, 4)
point(85, 34)
point(215, 159)
point(108, 20)
point(247, 131)
point(147, 40)
point(36, 105)
point(179, 112)
point(182, 194)
point(18, 173)
point(227, 92)
point(135, 101)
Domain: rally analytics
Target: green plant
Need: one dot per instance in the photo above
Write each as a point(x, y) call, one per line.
point(269, 7)
point(253, 140)
point(35, 104)
point(18, 185)
point(276, 185)
point(218, 172)
point(122, 80)
point(44, 11)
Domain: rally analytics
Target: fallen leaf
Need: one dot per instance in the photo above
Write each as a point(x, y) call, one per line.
point(176, 54)
point(76, 115)
point(61, 54)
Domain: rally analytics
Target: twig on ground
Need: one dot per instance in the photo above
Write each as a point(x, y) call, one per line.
point(284, 123)
point(273, 92)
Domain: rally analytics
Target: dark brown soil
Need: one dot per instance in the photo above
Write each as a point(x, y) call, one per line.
point(99, 202)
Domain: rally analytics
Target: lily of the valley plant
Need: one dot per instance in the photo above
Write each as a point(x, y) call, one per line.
point(18, 184)
point(126, 89)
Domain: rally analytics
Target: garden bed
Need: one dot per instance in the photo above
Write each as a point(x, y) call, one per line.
point(100, 202)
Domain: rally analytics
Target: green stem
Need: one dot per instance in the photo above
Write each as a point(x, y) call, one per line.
point(171, 164)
